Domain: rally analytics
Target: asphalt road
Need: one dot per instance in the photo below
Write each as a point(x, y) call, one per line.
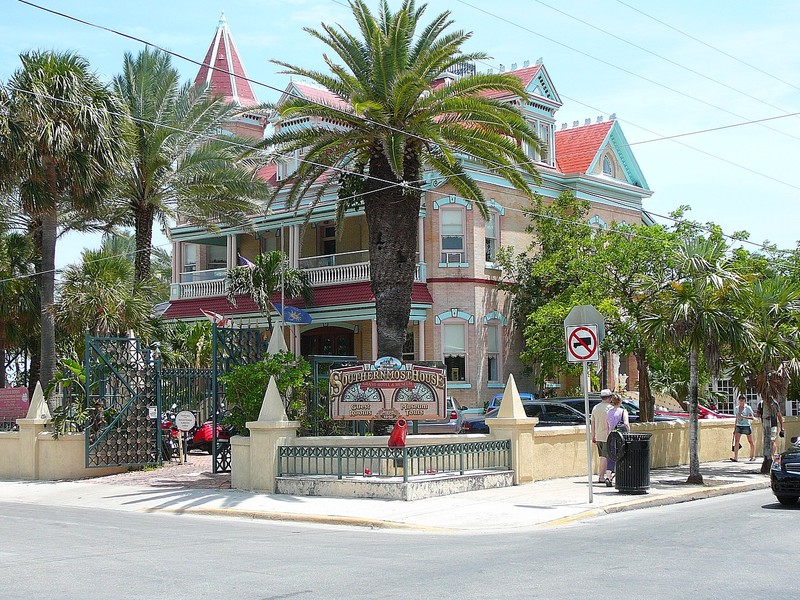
point(739, 546)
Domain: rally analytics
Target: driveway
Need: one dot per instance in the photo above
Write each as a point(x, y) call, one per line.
point(195, 473)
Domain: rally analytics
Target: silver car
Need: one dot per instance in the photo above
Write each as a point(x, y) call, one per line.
point(450, 424)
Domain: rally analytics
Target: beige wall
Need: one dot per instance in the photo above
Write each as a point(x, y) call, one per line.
point(555, 452)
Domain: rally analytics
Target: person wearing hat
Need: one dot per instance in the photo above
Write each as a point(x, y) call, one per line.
point(599, 425)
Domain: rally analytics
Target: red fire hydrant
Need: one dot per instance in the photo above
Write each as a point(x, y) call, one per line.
point(397, 439)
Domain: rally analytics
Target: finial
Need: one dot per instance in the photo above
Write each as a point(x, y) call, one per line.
point(223, 22)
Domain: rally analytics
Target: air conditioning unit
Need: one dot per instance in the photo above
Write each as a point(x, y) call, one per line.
point(452, 257)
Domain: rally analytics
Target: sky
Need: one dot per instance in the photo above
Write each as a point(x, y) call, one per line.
point(664, 68)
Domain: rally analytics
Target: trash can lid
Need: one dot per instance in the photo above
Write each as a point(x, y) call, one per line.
point(637, 437)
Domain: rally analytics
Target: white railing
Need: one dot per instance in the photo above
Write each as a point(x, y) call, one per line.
point(334, 260)
point(320, 276)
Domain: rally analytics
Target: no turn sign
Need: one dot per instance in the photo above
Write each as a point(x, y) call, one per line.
point(582, 343)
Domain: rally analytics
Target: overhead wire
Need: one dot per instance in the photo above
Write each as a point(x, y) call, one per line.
point(145, 42)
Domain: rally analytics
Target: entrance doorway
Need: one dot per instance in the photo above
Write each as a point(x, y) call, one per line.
point(327, 341)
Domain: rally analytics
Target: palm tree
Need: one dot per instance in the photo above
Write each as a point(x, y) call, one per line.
point(695, 315)
point(17, 290)
point(179, 163)
point(264, 278)
point(771, 306)
point(63, 145)
point(397, 124)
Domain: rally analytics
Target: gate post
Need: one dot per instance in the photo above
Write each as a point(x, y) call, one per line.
point(513, 424)
point(34, 423)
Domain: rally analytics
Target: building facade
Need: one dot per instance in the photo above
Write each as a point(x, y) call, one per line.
point(459, 316)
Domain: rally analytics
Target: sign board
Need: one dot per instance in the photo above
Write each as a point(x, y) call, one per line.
point(587, 315)
point(387, 389)
point(583, 344)
point(14, 403)
point(185, 420)
point(152, 412)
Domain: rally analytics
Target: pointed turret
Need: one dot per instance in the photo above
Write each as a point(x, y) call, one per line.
point(223, 70)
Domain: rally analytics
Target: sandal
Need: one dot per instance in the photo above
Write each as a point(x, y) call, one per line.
point(734, 460)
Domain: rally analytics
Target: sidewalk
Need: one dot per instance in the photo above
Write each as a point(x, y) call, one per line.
point(540, 504)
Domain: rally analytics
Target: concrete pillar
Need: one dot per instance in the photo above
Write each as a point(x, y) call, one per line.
point(35, 422)
point(513, 424)
point(271, 430)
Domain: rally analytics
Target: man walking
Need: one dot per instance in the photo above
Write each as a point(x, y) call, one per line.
point(771, 417)
point(599, 426)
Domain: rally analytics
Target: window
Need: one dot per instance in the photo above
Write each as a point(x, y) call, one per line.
point(327, 239)
point(492, 236)
point(217, 257)
point(451, 225)
point(189, 258)
point(544, 136)
point(455, 351)
point(493, 346)
point(608, 166)
point(408, 347)
point(288, 164)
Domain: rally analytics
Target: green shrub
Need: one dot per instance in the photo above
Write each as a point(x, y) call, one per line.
point(246, 385)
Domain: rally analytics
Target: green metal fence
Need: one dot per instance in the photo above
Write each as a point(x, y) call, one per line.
point(409, 461)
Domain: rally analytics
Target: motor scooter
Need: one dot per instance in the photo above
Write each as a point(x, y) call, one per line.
point(202, 436)
point(169, 436)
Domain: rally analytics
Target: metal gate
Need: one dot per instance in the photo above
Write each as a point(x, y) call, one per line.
point(231, 347)
point(124, 402)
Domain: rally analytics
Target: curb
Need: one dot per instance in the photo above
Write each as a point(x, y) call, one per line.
point(300, 518)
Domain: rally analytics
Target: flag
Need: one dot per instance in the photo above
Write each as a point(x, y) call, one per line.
point(216, 318)
point(247, 263)
point(292, 314)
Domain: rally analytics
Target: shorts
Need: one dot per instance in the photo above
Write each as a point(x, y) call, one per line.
point(744, 430)
point(601, 448)
point(773, 430)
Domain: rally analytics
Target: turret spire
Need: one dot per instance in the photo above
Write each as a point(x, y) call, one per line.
point(223, 71)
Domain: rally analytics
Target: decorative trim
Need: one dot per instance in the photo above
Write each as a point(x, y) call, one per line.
point(452, 385)
point(495, 386)
point(495, 315)
point(454, 313)
point(451, 199)
point(596, 220)
point(451, 265)
point(492, 203)
point(461, 280)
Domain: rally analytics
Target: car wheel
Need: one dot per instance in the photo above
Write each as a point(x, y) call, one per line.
point(788, 500)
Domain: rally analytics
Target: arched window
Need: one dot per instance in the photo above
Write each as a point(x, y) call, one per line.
point(608, 166)
point(454, 343)
point(493, 326)
point(452, 228)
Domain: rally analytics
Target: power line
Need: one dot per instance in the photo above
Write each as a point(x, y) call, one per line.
point(707, 45)
point(617, 67)
point(620, 202)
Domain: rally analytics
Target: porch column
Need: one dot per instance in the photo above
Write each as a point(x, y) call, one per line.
point(421, 240)
point(374, 339)
point(421, 325)
point(231, 243)
point(177, 261)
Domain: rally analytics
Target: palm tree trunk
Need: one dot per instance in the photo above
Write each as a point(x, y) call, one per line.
point(646, 403)
point(2, 355)
point(143, 226)
point(694, 454)
point(392, 218)
point(47, 346)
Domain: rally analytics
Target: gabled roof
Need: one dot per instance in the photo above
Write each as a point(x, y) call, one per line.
point(579, 149)
point(536, 81)
point(223, 70)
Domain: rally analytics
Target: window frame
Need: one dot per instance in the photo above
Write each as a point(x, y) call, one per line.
point(455, 322)
point(446, 253)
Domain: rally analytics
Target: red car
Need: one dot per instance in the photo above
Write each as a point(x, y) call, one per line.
point(703, 412)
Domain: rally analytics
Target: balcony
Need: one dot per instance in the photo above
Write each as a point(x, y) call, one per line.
point(332, 269)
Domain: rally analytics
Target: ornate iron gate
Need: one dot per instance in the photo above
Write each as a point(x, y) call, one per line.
point(124, 402)
point(231, 347)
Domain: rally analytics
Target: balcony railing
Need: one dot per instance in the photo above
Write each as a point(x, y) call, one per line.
point(334, 269)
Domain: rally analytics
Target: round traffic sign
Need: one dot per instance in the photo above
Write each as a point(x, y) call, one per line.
point(185, 420)
point(582, 343)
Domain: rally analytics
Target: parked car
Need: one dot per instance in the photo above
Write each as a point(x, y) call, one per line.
point(495, 402)
point(632, 408)
point(549, 414)
point(703, 412)
point(785, 475)
point(450, 424)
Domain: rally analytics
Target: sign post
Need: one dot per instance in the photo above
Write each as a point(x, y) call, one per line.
point(184, 421)
point(584, 330)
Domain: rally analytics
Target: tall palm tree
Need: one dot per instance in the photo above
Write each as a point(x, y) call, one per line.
point(17, 290)
point(98, 295)
point(398, 123)
point(180, 164)
point(264, 279)
point(696, 316)
point(771, 306)
point(64, 144)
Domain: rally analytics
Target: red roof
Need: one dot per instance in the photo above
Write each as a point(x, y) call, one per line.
point(223, 70)
point(321, 95)
point(576, 148)
point(334, 295)
point(525, 75)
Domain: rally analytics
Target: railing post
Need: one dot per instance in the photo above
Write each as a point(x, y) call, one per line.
point(405, 464)
point(461, 459)
point(338, 463)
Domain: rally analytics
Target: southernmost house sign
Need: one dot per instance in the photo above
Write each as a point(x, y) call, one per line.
point(387, 389)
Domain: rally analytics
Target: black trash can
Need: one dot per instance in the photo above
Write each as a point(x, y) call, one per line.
point(632, 475)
